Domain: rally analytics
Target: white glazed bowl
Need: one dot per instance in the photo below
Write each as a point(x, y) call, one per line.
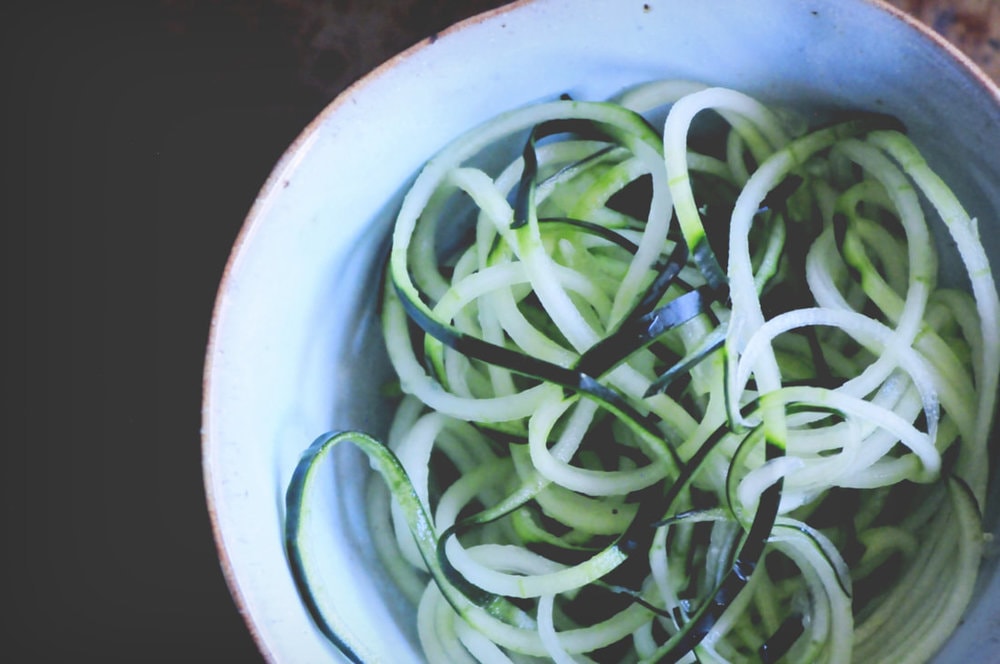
point(295, 350)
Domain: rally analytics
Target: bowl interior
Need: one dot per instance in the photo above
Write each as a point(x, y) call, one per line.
point(296, 349)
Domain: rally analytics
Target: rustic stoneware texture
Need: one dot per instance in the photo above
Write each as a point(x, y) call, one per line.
point(294, 348)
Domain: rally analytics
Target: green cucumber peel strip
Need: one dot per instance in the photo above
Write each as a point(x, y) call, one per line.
point(458, 592)
point(524, 200)
point(297, 541)
point(750, 549)
point(743, 542)
point(713, 341)
point(779, 643)
point(586, 128)
point(575, 381)
point(640, 327)
point(634, 335)
point(635, 538)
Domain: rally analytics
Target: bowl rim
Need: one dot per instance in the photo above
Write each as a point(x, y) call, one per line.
point(276, 180)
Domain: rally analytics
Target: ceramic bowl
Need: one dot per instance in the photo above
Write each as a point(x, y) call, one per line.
point(294, 347)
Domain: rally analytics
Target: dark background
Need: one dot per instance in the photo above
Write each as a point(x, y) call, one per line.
point(135, 137)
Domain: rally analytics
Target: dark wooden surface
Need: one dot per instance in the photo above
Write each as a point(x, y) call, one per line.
point(971, 25)
point(136, 135)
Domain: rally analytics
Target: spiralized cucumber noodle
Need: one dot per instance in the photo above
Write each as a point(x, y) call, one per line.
point(678, 382)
